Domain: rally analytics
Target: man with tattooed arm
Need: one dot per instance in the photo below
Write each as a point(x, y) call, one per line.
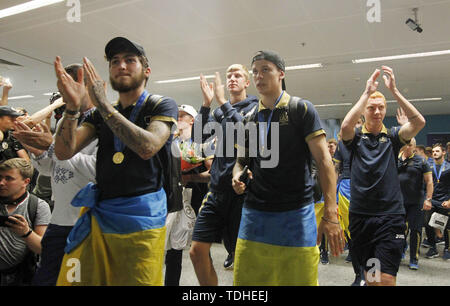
point(129, 200)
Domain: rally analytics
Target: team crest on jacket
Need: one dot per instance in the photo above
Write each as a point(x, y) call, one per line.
point(284, 118)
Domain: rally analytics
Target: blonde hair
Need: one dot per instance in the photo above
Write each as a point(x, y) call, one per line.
point(378, 95)
point(235, 67)
point(332, 140)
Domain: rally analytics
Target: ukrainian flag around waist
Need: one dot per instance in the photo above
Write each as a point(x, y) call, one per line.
point(294, 228)
point(123, 215)
point(344, 188)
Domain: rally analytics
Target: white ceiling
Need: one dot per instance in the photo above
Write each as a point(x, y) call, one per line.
point(184, 38)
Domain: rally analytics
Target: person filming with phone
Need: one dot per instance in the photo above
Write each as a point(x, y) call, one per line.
point(23, 222)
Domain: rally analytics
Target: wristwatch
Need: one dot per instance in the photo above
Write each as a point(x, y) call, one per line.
point(428, 199)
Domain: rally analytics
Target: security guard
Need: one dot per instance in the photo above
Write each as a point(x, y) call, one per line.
point(9, 146)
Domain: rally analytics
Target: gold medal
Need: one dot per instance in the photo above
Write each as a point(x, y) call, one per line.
point(118, 158)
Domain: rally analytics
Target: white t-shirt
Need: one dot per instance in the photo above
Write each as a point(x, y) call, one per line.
point(67, 178)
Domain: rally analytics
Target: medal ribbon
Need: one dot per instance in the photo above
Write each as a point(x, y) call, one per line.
point(438, 176)
point(269, 120)
point(119, 146)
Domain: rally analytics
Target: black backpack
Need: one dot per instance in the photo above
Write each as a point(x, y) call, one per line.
point(171, 166)
point(296, 112)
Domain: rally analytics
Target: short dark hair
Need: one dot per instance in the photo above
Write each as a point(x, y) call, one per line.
point(72, 70)
point(422, 147)
point(438, 144)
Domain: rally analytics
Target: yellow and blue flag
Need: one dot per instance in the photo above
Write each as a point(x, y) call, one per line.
point(118, 242)
point(277, 248)
point(343, 197)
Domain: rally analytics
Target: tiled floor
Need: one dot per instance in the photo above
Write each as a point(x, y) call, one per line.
point(432, 272)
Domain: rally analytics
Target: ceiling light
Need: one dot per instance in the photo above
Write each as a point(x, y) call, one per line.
point(309, 66)
point(20, 97)
point(417, 100)
point(289, 68)
point(396, 57)
point(184, 79)
point(331, 105)
point(25, 7)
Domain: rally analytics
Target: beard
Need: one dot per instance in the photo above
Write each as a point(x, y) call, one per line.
point(123, 87)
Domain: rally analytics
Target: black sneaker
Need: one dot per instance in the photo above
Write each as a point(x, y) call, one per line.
point(229, 262)
point(440, 240)
point(348, 258)
point(426, 244)
point(446, 255)
point(432, 253)
point(357, 281)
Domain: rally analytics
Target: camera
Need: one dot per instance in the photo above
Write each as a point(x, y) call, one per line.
point(413, 25)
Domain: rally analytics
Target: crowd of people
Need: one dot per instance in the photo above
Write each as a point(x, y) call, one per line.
point(257, 173)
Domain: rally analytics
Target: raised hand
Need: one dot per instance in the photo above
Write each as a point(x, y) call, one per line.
point(207, 91)
point(219, 90)
point(71, 90)
point(372, 83)
point(95, 84)
point(6, 83)
point(39, 137)
point(401, 116)
point(389, 78)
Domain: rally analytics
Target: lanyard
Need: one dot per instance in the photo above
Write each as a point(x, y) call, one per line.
point(118, 144)
point(263, 135)
point(438, 176)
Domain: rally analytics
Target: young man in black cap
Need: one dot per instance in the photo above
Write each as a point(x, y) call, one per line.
point(9, 146)
point(277, 242)
point(129, 200)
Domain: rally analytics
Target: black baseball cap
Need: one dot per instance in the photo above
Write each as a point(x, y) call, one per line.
point(273, 57)
point(121, 44)
point(9, 111)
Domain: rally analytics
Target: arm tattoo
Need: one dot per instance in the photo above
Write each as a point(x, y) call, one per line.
point(143, 142)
